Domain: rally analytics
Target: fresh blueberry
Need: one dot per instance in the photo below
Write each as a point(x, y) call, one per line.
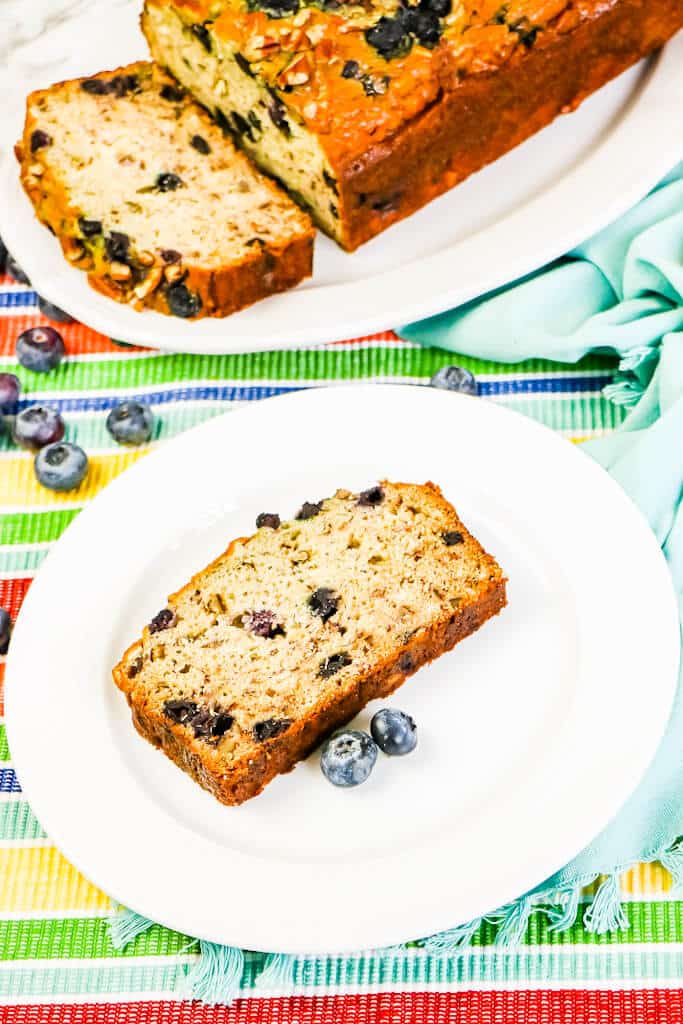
point(130, 423)
point(37, 426)
point(40, 349)
point(394, 732)
point(5, 627)
point(182, 302)
point(348, 757)
point(9, 392)
point(61, 466)
point(15, 271)
point(53, 312)
point(3, 256)
point(455, 378)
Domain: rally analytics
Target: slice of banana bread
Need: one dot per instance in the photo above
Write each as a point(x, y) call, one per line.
point(291, 631)
point(147, 194)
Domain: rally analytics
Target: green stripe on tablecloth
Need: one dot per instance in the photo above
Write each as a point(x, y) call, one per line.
point(74, 938)
point(574, 965)
point(301, 366)
point(17, 821)
point(78, 937)
point(35, 527)
point(4, 749)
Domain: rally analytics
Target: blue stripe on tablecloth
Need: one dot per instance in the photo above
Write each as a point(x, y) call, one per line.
point(246, 393)
point(8, 781)
point(18, 300)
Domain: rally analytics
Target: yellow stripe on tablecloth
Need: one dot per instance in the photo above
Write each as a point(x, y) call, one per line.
point(646, 880)
point(39, 879)
point(18, 485)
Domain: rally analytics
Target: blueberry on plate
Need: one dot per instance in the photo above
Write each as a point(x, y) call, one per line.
point(37, 426)
point(3, 256)
point(348, 757)
point(9, 392)
point(394, 732)
point(15, 271)
point(53, 312)
point(455, 378)
point(5, 627)
point(61, 466)
point(40, 349)
point(130, 423)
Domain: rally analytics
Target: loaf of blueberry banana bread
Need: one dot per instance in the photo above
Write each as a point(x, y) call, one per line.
point(367, 109)
point(147, 194)
point(291, 631)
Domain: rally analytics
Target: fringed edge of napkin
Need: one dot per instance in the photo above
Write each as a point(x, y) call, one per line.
point(217, 975)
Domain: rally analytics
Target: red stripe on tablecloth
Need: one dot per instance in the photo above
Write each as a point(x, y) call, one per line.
point(12, 593)
point(382, 336)
point(78, 339)
point(641, 1006)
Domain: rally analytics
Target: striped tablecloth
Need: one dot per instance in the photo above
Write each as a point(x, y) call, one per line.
point(56, 962)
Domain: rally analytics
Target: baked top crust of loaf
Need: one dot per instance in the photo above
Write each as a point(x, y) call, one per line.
point(293, 630)
point(366, 111)
point(148, 195)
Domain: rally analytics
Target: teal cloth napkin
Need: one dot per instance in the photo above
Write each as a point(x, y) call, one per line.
point(621, 292)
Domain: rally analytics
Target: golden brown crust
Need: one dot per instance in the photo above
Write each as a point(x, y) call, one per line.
point(267, 270)
point(487, 115)
point(247, 777)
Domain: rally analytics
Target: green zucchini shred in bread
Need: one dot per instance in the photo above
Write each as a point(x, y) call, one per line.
point(147, 194)
point(291, 631)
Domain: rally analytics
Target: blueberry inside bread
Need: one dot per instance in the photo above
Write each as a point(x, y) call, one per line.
point(150, 197)
point(293, 630)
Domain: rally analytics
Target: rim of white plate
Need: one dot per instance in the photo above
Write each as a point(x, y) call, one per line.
point(125, 827)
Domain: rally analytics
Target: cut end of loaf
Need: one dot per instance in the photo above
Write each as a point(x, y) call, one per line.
point(291, 631)
point(153, 200)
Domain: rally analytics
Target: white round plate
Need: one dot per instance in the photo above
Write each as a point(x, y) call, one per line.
point(521, 212)
point(503, 788)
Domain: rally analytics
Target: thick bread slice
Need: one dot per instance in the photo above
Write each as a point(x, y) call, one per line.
point(368, 110)
point(148, 195)
point(290, 632)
